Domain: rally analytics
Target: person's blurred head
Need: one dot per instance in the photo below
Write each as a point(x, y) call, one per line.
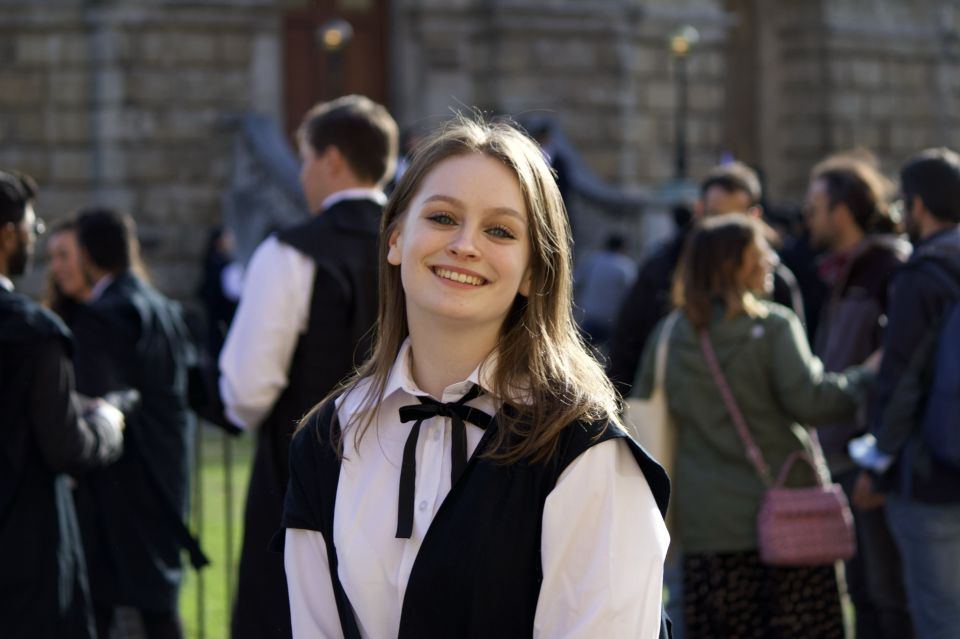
point(847, 198)
point(104, 237)
point(66, 269)
point(930, 187)
point(727, 261)
point(19, 225)
point(729, 188)
point(349, 142)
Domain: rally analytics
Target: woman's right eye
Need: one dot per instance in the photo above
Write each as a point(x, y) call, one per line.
point(441, 218)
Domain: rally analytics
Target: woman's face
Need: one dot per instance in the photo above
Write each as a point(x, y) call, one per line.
point(463, 246)
point(756, 271)
point(65, 265)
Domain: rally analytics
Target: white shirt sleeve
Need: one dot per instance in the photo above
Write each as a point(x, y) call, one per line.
point(271, 316)
point(313, 607)
point(602, 548)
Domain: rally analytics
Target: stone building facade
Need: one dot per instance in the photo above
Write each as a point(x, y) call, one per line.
point(123, 102)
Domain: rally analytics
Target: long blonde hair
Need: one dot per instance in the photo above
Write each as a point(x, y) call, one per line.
point(540, 355)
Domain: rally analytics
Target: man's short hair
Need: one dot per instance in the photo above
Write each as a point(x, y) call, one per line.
point(16, 191)
point(933, 175)
point(857, 183)
point(733, 177)
point(362, 130)
point(105, 235)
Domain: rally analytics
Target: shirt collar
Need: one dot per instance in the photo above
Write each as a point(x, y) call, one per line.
point(6, 282)
point(100, 287)
point(374, 194)
point(401, 377)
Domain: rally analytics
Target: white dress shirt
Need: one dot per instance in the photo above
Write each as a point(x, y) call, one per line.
point(6, 282)
point(603, 540)
point(273, 312)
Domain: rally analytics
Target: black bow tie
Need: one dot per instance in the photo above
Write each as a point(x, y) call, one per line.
point(459, 413)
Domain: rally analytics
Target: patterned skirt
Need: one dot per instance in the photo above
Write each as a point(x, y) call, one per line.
point(735, 596)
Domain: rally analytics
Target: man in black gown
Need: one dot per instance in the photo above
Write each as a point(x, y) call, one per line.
point(309, 300)
point(131, 338)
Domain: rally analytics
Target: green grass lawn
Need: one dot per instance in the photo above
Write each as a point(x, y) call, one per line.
point(216, 583)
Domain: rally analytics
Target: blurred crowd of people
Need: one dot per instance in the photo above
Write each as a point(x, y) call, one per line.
point(888, 269)
point(834, 356)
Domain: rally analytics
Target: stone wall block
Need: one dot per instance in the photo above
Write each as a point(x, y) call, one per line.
point(879, 105)
point(75, 49)
point(71, 165)
point(26, 126)
point(69, 87)
point(68, 126)
point(846, 103)
point(113, 163)
point(22, 88)
point(234, 49)
point(57, 201)
point(174, 48)
point(182, 204)
point(36, 49)
point(661, 96)
point(33, 161)
point(868, 74)
point(705, 97)
point(146, 164)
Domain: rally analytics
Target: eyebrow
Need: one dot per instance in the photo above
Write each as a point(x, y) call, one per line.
point(503, 210)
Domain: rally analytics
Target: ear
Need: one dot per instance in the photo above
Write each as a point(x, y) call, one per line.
point(525, 283)
point(8, 237)
point(394, 252)
point(698, 208)
point(755, 211)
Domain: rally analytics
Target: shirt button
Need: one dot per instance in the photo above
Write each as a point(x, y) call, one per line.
point(423, 505)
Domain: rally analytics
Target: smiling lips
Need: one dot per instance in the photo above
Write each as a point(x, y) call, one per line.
point(462, 278)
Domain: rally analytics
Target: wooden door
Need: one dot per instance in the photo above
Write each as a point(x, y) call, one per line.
point(314, 73)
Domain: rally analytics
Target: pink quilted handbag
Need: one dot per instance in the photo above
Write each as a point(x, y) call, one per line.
point(804, 526)
point(808, 526)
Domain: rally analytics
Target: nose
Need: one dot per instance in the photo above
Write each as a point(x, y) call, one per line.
point(462, 245)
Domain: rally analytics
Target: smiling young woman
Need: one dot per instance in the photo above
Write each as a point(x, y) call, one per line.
point(498, 495)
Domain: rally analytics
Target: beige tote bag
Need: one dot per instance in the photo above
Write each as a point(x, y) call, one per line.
point(648, 420)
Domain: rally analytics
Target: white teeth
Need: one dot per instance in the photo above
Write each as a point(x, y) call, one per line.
point(459, 277)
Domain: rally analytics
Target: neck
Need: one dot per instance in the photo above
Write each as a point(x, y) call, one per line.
point(846, 241)
point(934, 226)
point(444, 354)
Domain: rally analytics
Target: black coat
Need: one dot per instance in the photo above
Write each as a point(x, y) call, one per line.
point(132, 337)
point(917, 302)
point(43, 582)
point(342, 242)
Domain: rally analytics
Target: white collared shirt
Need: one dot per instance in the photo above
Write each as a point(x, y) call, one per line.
point(603, 540)
point(273, 312)
point(99, 288)
point(6, 282)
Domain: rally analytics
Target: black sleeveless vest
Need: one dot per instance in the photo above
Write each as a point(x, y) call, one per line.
point(478, 571)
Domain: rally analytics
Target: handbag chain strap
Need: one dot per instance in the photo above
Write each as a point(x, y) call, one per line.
point(753, 452)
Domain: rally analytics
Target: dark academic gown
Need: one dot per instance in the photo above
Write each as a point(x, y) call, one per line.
point(342, 241)
point(133, 338)
point(43, 581)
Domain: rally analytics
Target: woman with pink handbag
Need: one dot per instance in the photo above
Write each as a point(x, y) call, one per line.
point(758, 521)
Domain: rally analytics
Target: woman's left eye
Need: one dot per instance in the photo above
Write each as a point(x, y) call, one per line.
point(502, 232)
point(441, 218)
